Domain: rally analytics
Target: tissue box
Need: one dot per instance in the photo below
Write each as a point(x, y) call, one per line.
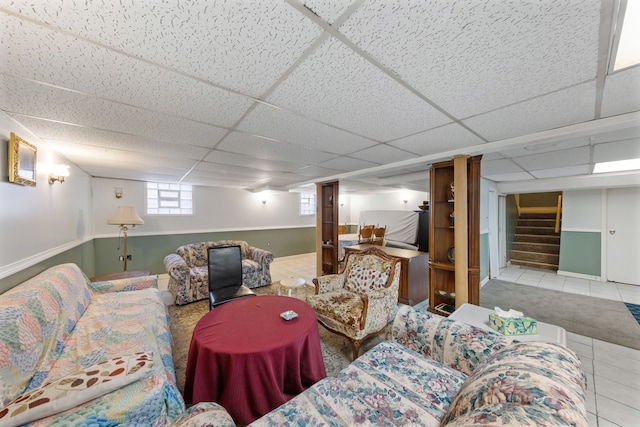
point(521, 326)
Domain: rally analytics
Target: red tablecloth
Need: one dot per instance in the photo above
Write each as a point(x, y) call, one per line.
point(244, 356)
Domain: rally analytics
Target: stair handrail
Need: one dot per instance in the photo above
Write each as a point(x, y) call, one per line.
point(558, 213)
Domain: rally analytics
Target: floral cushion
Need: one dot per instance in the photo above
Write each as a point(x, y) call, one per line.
point(455, 344)
point(402, 385)
point(204, 414)
point(76, 388)
point(339, 306)
point(545, 376)
point(366, 273)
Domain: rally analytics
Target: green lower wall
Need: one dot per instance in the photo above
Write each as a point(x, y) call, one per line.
point(580, 252)
point(82, 255)
point(148, 252)
point(100, 256)
point(484, 256)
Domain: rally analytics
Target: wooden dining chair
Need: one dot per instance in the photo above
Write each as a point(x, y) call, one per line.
point(378, 235)
point(365, 234)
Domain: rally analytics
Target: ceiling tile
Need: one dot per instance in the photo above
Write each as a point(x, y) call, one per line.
point(336, 86)
point(245, 160)
point(561, 158)
point(315, 171)
point(472, 57)
point(286, 126)
point(347, 164)
point(557, 109)
point(618, 150)
point(59, 132)
point(36, 100)
point(498, 177)
point(444, 138)
point(382, 154)
point(492, 167)
point(564, 171)
point(269, 149)
point(40, 54)
point(546, 147)
point(621, 92)
point(328, 10)
point(220, 168)
point(241, 45)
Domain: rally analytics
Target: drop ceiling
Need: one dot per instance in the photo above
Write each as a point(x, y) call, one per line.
point(250, 94)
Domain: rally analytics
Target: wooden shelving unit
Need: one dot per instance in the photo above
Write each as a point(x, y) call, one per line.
point(454, 274)
point(327, 228)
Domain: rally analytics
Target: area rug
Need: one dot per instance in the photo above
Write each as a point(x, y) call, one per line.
point(336, 350)
point(634, 309)
point(598, 318)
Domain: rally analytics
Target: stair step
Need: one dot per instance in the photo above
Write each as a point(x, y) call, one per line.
point(553, 267)
point(545, 248)
point(535, 230)
point(538, 216)
point(534, 238)
point(535, 257)
point(537, 223)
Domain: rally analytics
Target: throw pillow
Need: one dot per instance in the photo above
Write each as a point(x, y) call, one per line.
point(71, 390)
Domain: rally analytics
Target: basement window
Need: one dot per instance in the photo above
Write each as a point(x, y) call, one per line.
point(169, 199)
point(307, 204)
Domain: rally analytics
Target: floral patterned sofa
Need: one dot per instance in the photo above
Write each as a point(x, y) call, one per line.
point(434, 371)
point(188, 269)
point(78, 353)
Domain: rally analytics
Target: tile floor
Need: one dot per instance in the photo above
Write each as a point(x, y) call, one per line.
point(613, 371)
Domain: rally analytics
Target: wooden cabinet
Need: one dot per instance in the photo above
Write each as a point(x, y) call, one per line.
point(454, 244)
point(414, 265)
point(327, 228)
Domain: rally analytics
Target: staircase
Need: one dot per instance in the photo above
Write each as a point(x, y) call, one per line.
point(536, 243)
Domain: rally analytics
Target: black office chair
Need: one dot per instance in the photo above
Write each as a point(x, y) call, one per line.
point(225, 275)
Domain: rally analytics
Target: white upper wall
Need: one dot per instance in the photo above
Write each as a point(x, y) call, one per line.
point(39, 222)
point(215, 209)
point(581, 210)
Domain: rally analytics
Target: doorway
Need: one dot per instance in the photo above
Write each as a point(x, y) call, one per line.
point(622, 235)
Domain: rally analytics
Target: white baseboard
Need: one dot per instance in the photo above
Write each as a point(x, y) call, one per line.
point(578, 275)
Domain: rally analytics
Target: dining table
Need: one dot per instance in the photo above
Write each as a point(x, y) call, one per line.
point(253, 354)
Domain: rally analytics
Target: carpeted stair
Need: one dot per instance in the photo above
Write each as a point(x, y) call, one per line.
point(536, 244)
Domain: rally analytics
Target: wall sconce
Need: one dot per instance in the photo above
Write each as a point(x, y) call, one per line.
point(405, 200)
point(118, 192)
point(264, 201)
point(59, 173)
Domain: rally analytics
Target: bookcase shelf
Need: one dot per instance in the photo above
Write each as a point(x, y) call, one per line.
point(446, 231)
point(327, 228)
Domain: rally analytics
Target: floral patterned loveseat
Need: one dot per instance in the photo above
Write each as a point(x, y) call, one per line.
point(76, 353)
point(434, 371)
point(188, 269)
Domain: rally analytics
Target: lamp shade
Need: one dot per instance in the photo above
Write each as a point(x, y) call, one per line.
point(125, 215)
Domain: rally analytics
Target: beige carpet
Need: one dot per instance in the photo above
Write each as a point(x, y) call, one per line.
point(599, 318)
point(336, 350)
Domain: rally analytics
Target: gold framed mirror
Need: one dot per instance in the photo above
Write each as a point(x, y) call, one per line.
point(22, 161)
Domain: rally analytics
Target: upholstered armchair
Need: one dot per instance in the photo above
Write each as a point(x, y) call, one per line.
point(188, 269)
point(357, 302)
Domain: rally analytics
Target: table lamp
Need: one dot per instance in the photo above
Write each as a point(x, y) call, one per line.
point(125, 216)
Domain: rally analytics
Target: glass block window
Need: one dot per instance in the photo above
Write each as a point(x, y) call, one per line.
point(169, 199)
point(307, 203)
